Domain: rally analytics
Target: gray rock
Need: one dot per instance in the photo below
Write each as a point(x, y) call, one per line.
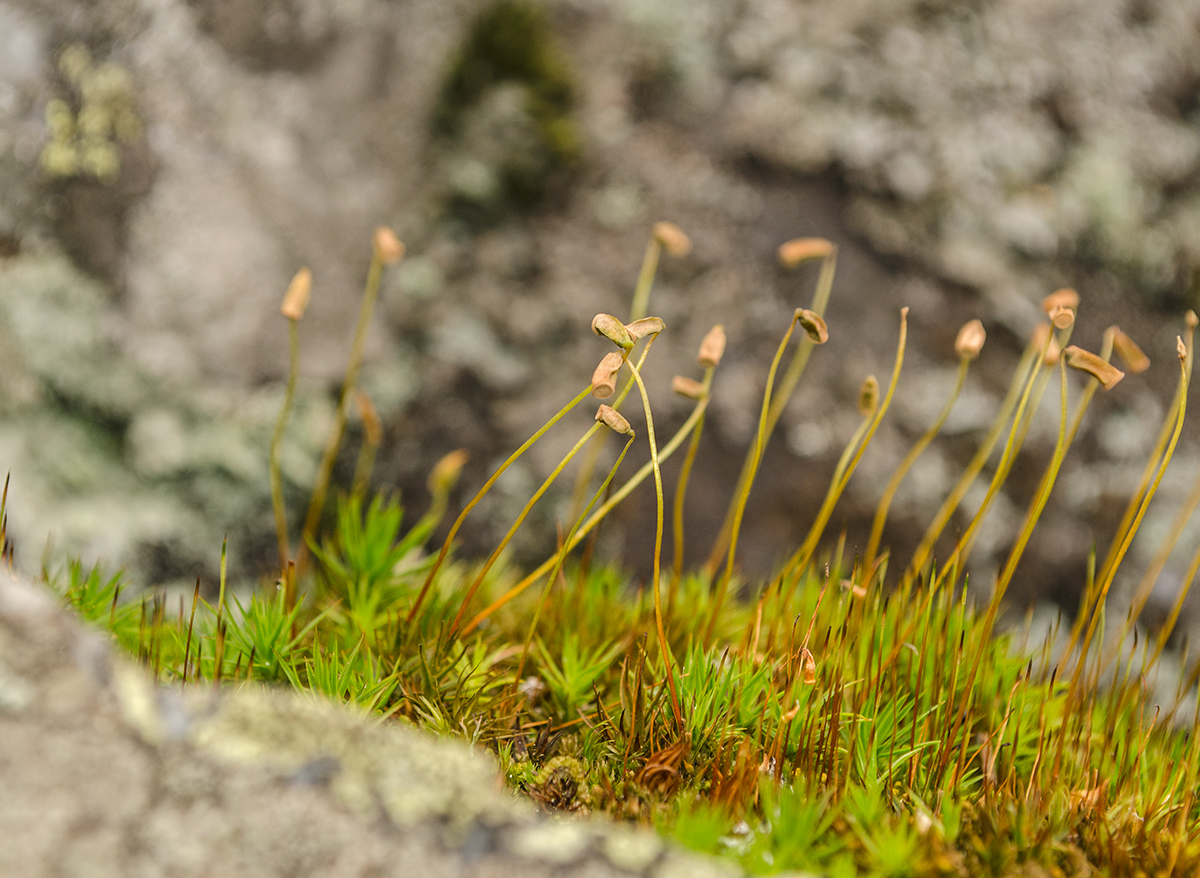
point(105, 773)
point(995, 152)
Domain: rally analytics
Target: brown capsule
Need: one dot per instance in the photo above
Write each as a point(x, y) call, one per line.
point(813, 324)
point(1127, 349)
point(388, 248)
point(1061, 298)
point(712, 348)
point(1061, 317)
point(614, 420)
point(689, 387)
point(1050, 346)
point(604, 379)
point(1181, 348)
point(857, 590)
point(868, 396)
point(639, 329)
point(445, 473)
point(1191, 319)
point(295, 300)
point(808, 666)
point(970, 340)
point(1085, 361)
point(798, 250)
point(612, 329)
point(672, 239)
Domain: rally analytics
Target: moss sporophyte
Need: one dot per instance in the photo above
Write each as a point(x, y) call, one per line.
point(854, 713)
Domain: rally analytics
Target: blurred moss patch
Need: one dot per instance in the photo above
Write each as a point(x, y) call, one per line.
point(504, 129)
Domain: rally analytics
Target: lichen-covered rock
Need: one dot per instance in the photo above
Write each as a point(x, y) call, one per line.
point(120, 463)
point(989, 155)
point(106, 773)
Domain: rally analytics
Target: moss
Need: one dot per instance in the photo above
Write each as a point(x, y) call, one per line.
point(510, 47)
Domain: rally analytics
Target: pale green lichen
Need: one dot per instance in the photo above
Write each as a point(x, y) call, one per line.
point(94, 115)
point(557, 843)
point(412, 776)
point(633, 850)
point(16, 693)
point(697, 867)
point(372, 766)
point(138, 705)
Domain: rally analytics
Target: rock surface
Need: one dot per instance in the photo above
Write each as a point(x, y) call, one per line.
point(105, 773)
point(966, 161)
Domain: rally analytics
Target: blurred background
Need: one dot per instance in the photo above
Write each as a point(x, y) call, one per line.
point(167, 165)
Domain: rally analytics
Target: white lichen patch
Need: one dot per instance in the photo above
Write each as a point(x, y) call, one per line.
point(629, 849)
point(412, 776)
point(16, 693)
point(557, 843)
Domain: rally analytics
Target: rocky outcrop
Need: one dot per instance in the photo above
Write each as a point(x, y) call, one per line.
point(106, 773)
point(966, 161)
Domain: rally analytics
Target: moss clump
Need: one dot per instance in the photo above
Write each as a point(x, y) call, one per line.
point(853, 715)
point(507, 104)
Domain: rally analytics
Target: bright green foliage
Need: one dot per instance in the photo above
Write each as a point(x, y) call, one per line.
point(368, 565)
point(265, 632)
point(96, 599)
point(570, 677)
point(839, 718)
point(354, 677)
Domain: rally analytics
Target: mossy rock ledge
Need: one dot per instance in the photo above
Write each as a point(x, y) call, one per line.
point(106, 773)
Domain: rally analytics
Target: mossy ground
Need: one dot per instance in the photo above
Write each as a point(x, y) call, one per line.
point(853, 714)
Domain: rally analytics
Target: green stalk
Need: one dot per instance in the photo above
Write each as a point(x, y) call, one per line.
point(1016, 438)
point(681, 486)
point(885, 502)
point(1107, 578)
point(787, 386)
point(1029, 360)
point(487, 486)
point(289, 395)
point(599, 515)
point(668, 661)
point(641, 293)
point(744, 485)
point(641, 304)
point(1046, 485)
point(559, 558)
point(803, 555)
point(1091, 596)
point(525, 510)
point(325, 471)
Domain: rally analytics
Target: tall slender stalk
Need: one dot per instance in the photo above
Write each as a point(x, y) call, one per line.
point(1109, 574)
point(685, 473)
point(295, 303)
point(969, 342)
point(655, 584)
point(1029, 361)
point(560, 557)
point(791, 254)
point(664, 236)
point(742, 495)
point(598, 516)
point(525, 510)
point(1022, 420)
point(386, 250)
point(804, 554)
point(487, 486)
